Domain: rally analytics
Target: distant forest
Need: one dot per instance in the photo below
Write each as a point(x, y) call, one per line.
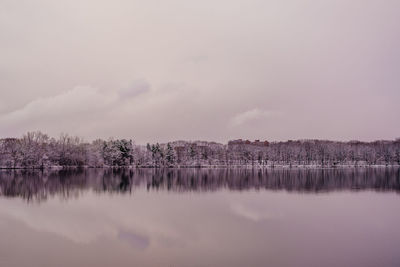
point(38, 150)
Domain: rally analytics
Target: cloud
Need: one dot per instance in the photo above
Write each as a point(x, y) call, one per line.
point(136, 88)
point(137, 111)
point(239, 56)
point(198, 59)
point(78, 100)
point(250, 115)
point(65, 109)
point(134, 111)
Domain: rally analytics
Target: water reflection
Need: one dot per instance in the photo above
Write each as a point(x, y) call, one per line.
point(231, 217)
point(38, 186)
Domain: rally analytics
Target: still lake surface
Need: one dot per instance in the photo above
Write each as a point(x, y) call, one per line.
point(200, 217)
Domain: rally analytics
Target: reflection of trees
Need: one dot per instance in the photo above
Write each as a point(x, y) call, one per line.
point(37, 185)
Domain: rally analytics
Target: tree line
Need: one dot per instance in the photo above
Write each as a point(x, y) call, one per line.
point(38, 150)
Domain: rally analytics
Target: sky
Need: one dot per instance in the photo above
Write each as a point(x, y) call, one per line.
point(201, 70)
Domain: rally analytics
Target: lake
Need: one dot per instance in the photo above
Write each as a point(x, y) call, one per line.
point(200, 217)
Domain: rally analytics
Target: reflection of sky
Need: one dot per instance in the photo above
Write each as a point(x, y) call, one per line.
point(254, 213)
point(135, 240)
point(222, 228)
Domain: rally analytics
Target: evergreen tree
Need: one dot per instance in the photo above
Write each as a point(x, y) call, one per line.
point(170, 155)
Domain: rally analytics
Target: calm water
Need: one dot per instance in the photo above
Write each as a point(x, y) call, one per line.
point(200, 218)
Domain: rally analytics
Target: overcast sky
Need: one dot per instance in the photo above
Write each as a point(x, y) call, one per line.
point(209, 70)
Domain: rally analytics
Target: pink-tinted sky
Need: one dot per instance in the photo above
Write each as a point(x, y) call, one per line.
point(211, 70)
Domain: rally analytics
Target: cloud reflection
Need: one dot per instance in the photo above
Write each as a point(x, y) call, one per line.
point(133, 239)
